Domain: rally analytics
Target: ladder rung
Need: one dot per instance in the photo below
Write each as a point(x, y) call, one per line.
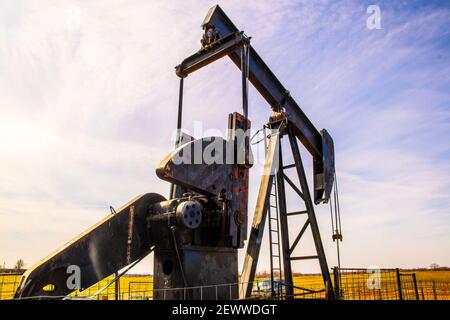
point(303, 258)
point(273, 218)
point(272, 194)
point(275, 256)
point(296, 212)
point(289, 166)
point(273, 206)
point(274, 242)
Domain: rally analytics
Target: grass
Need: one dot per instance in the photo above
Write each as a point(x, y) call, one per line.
point(439, 276)
point(431, 284)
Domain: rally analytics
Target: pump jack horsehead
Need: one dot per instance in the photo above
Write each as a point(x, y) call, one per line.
point(204, 223)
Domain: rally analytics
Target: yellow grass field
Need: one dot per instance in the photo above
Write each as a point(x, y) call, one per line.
point(431, 284)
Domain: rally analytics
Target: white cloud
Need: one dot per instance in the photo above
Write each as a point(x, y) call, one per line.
point(88, 99)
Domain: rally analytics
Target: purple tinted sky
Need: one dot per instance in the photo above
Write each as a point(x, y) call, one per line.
point(88, 99)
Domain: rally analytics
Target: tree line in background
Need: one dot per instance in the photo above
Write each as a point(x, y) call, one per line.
point(18, 266)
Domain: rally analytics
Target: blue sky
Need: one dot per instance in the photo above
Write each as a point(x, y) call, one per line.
point(88, 98)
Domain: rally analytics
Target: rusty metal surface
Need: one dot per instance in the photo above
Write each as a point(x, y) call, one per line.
point(186, 256)
point(216, 50)
point(226, 176)
point(202, 266)
point(178, 191)
point(239, 203)
point(194, 174)
point(108, 246)
point(328, 168)
point(268, 85)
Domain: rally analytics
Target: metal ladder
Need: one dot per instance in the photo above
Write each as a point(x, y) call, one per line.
point(274, 239)
point(274, 233)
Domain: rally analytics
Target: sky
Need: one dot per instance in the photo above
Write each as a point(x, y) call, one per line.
point(88, 101)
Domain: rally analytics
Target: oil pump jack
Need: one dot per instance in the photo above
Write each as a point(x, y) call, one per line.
point(196, 233)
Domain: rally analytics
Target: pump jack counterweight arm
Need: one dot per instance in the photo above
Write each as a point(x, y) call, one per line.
point(268, 85)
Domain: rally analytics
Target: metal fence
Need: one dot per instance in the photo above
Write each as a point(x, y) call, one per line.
point(386, 284)
point(348, 284)
point(363, 284)
point(8, 284)
point(140, 290)
point(433, 290)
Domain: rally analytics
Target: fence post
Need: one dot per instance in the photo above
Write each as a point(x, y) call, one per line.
point(337, 290)
point(434, 290)
point(415, 286)
point(2, 277)
point(399, 284)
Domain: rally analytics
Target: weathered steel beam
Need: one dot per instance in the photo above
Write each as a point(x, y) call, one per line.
point(268, 84)
point(319, 144)
point(110, 245)
point(284, 228)
point(259, 218)
point(222, 48)
point(311, 214)
point(299, 236)
point(259, 74)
